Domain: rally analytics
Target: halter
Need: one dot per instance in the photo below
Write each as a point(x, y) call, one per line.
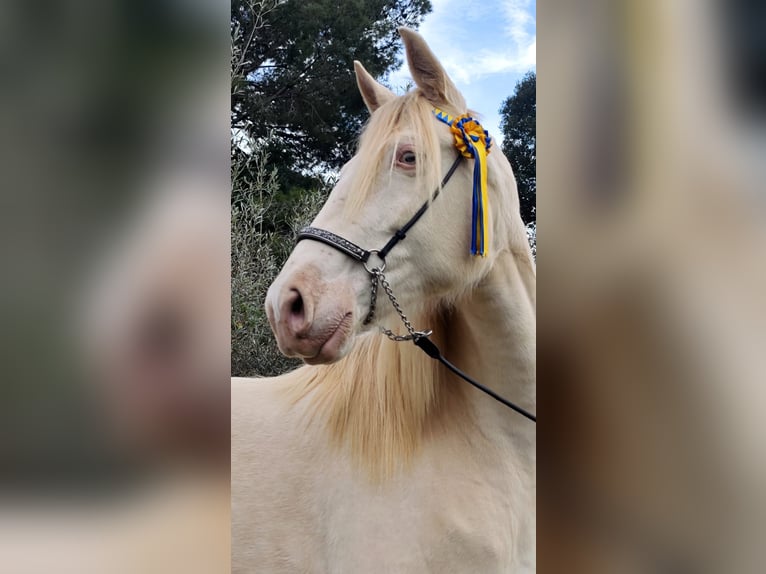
point(472, 141)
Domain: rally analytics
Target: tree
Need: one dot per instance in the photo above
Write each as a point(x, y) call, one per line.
point(294, 83)
point(517, 123)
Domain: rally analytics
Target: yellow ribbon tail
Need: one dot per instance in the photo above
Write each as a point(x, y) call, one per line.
point(484, 199)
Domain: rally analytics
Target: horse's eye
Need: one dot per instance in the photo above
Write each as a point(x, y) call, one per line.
point(406, 158)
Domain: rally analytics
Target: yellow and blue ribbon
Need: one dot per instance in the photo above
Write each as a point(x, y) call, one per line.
point(472, 140)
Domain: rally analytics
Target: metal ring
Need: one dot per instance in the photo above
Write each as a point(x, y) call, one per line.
point(379, 269)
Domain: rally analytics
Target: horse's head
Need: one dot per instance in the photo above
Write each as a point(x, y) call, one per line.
point(320, 300)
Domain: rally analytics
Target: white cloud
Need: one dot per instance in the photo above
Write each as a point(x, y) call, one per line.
point(474, 39)
point(518, 19)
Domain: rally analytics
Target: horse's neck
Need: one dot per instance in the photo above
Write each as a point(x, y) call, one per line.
point(383, 396)
point(492, 338)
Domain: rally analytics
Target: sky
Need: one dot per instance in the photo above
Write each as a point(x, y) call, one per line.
point(486, 46)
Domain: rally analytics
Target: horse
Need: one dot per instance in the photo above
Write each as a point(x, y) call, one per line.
point(373, 457)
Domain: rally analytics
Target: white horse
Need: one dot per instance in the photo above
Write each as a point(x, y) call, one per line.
point(376, 459)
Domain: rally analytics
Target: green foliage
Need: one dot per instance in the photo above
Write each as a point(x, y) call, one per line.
point(518, 116)
point(295, 83)
point(531, 228)
point(257, 255)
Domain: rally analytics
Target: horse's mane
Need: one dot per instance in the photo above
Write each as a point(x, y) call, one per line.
point(382, 400)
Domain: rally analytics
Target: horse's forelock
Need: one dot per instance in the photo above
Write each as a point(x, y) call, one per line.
point(411, 114)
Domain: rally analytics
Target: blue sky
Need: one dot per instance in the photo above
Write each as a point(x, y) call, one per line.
point(486, 46)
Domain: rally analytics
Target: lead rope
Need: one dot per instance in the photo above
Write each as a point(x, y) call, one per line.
point(421, 340)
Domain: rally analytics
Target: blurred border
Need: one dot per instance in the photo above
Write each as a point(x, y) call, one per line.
point(651, 281)
point(114, 298)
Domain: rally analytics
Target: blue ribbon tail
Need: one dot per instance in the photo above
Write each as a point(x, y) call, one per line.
point(478, 211)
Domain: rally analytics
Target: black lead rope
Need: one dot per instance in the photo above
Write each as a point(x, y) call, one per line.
point(433, 351)
point(363, 255)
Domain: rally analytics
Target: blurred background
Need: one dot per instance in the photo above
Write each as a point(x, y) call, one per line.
point(114, 297)
point(651, 286)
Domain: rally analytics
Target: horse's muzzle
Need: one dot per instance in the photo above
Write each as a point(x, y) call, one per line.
point(309, 320)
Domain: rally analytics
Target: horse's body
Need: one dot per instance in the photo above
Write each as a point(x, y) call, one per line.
point(380, 460)
point(465, 505)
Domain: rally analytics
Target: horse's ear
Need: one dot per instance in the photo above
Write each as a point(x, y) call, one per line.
point(428, 73)
point(373, 93)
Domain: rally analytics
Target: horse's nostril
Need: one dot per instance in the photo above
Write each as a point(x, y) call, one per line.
point(296, 307)
point(295, 313)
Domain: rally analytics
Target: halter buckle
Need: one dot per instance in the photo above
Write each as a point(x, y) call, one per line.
point(369, 267)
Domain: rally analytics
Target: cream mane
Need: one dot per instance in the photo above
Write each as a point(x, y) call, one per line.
point(383, 399)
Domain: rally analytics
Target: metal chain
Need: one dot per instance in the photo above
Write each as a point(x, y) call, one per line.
point(373, 295)
point(378, 276)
